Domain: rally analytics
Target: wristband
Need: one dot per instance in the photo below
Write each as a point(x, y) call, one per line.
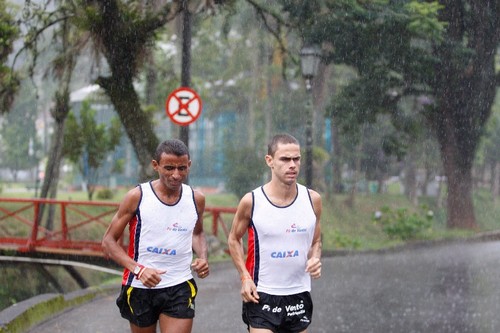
point(137, 270)
point(138, 277)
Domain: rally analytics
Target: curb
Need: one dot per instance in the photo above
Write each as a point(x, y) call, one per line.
point(21, 316)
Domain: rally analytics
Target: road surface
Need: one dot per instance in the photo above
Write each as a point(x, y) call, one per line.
point(452, 287)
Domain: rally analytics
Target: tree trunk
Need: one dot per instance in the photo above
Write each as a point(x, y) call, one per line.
point(320, 91)
point(350, 200)
point(54, 162)
point(187, 23)
point(252, 98)
point(336, 156)
point(123, 41)
point(457, 164)
point(59, 113)
point(380, 184)
point(137, 124)
point(465, 88)
point(52, 168)
point(459, 201)
point(429, 174)
point(439, 197)
point(410, 181)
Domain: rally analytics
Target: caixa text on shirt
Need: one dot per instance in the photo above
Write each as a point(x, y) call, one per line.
point(285, 254)
point(161, 250)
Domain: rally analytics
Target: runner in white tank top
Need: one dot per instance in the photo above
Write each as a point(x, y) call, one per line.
point(161, 237)
point(282, 219)
point(279, 241)
point(165, 221)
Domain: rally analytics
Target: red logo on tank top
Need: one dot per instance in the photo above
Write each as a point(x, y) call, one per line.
point(177, 228)
point(294, 228)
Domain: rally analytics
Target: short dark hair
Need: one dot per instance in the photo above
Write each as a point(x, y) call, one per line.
point(171, 147)
point(280, 139)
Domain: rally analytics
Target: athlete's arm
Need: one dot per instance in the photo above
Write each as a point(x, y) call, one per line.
point(314, 255)
point(200, 263)
point(149, 277)
point(120, 220)
point(239, 227)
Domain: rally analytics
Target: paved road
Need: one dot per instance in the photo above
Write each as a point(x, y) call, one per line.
point(447, 288)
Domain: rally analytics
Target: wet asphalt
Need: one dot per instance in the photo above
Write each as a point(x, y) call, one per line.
point(452, 287)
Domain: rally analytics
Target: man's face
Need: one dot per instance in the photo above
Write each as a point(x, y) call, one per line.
point(172, 170)
point(285, 164)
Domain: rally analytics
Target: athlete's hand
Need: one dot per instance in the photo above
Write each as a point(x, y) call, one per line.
point(200, 266)
point(314, 267)
point(150, 277)
point(249, 290)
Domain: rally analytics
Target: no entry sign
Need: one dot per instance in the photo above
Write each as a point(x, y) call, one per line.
point(183, 106)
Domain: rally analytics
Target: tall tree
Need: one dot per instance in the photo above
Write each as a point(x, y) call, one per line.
point(465, 84)
point(443, 50)
point(9, 83)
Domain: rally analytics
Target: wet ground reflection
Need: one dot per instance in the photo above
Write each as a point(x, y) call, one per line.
point(450, 288)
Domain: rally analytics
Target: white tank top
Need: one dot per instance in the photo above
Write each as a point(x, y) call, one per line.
point(279, 239)
point(161, 236)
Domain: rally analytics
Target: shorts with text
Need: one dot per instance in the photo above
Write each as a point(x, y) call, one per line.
point(142, 307)
point(290, 313)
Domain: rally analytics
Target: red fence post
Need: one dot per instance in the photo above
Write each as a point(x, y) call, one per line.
point(34, 227)
point(64, 224)
point(215, 225)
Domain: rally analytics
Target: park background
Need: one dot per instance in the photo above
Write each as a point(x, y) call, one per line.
point(403, 111)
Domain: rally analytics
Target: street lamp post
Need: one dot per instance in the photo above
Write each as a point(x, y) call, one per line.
point(310, 56)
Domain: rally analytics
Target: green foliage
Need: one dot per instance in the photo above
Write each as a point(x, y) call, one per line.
point(9, 83)
point(19, 144)
point(487, 209)
point(424, 21)
point(402, 224)
point(87, 143)
point(388, 44)
point(86, 138)
point(245, 171)
point(118, 166)
point(489, 150)
point(105, 194)
point(343, 241)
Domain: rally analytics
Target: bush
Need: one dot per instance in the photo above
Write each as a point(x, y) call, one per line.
point(401, 224)
point(105, 194)
point(342, 241)
point(246, 174)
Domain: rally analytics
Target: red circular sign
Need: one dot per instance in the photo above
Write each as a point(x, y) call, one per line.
point(183, 106)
